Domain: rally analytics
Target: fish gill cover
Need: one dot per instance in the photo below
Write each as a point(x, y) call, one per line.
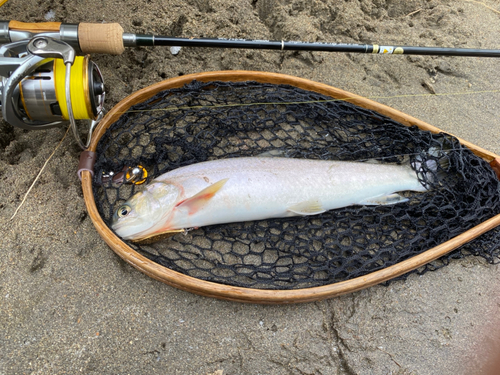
point(207, 121)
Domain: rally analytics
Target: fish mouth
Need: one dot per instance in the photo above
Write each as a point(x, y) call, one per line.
point(142, 238)
point(122, 229)
point(116, 227)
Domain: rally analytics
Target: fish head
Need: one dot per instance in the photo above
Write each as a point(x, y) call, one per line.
point(142, 214)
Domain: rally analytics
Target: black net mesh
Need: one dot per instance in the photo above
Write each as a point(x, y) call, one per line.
point(206, 121)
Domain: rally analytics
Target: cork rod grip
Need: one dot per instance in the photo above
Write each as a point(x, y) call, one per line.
point(101, 38)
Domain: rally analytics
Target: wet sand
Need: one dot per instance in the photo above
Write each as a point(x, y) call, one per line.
point(68, 304)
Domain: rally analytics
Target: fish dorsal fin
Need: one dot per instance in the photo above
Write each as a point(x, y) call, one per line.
point(272, 154)
point(198, 200)
point(404, 160)
point(310, 207)
point(383, 200)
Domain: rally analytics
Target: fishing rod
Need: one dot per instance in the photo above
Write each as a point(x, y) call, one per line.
point(46, 81)
point(110, 39)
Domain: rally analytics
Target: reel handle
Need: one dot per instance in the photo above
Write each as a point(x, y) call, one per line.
point(91, 37)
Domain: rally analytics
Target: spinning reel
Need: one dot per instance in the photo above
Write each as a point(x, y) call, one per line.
point(43, 83)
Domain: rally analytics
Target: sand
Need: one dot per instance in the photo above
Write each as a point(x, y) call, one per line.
point(68, 304)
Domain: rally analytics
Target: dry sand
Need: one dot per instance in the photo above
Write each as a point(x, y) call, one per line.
point(68, 304)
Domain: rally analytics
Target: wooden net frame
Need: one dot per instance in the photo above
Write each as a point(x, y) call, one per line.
point(251, 295)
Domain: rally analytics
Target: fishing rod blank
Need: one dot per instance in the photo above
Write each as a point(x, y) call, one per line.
point(132, 40)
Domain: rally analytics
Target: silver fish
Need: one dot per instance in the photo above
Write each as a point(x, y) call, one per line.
point(257, 188)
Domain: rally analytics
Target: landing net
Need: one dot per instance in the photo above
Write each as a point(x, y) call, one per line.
point(207, 121)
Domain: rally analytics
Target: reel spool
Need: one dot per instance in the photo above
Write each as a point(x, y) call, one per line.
point(45, 85)
point(42, 95)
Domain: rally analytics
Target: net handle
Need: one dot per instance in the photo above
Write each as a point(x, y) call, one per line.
point(251, 295)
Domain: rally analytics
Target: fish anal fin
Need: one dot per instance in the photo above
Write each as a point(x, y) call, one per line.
point(197, 201)
point(384, 200)
point(310, 207)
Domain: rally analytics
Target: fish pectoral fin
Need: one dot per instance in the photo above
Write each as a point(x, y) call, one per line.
point(310, 207)
point(383, 200)
point(198, 200)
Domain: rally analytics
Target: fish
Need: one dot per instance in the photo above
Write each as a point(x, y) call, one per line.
point(244, 189)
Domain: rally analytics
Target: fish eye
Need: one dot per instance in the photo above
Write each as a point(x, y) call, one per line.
point(124, 211)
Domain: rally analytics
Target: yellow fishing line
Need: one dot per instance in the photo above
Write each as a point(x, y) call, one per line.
point(171, 108)
point(79, 105)
point(2, 2)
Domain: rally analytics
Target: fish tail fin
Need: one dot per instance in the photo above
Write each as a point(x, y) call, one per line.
point(432, 167)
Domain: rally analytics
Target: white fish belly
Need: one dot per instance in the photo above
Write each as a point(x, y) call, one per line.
point(259, 188)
